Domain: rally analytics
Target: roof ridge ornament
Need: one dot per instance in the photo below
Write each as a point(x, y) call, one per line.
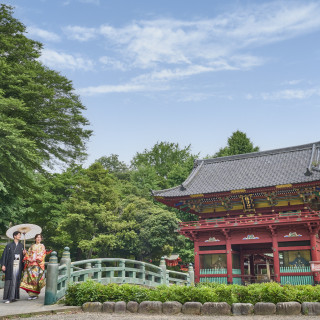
point(314, 163)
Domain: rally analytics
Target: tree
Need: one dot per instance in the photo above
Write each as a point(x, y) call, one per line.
point(18, 154)
point(105, 222)
point(40, 114)
point(170, 162)
point(154, 228)
point(46, 205)
point(112, 163)
point(238, 143)
point(118, 168)
point(92, 210)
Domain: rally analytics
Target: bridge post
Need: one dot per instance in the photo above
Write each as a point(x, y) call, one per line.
point(87, 275)
point(142, 272)
point(97, 275)
point(67, 261)
point(191, 274)
point(52, 280)
point(163, 271)
point(122, 266)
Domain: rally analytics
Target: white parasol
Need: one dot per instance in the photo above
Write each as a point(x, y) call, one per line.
point(28, 231)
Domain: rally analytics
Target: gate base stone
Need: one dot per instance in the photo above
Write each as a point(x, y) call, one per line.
point(133, 306)
point(216, 309)
point(192, 308)
point(108, 307)
point(242, 309)
point(264, 308)
point(310, 308)
point(92, 307)
point(288, 308)
point(171, 307)
point(150, 307)
point(120, 307)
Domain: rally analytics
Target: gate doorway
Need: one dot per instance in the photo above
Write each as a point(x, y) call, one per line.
point(257, 263)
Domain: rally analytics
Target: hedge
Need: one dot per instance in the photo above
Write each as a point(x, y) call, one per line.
point(90, 291)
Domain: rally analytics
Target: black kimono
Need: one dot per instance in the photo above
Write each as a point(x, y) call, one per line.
point(12, 259)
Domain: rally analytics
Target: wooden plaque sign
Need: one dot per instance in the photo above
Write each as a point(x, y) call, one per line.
point(315, 266)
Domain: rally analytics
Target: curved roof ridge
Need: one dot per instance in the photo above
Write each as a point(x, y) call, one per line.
point(156, 192)
point(192, 175)
point(258, 154)
point(183, 184)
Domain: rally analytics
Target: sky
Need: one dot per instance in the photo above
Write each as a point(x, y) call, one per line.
point(183, 71)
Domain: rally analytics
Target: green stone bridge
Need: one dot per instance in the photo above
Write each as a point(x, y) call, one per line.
point(107, 270)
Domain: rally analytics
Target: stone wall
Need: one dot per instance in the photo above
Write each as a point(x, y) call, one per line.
point(208, 308)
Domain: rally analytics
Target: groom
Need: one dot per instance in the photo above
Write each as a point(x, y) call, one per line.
point(12, 266)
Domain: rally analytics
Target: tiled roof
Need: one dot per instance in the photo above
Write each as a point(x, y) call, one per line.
point(251, 170)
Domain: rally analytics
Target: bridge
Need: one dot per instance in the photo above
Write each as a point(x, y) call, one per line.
point(107, 270)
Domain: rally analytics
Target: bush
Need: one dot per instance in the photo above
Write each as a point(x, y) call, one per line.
point(79, 293)
point(90, 291)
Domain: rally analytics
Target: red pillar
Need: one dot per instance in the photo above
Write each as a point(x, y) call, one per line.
point(314, 256)
point(196, 262)
point(242, 265)
point(252, 271)
point(276, 262)
point(229, 261)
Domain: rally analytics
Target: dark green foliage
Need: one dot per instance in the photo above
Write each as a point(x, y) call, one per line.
point(44, 101)
point(41, 122)
point(168, 161)
point(115, 166)
point(238, 143)
point(110, 221)
point(80, 293)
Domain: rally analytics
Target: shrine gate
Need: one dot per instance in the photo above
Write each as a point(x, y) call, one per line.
point(258, 216)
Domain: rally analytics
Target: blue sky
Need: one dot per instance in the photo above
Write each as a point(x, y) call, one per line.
point(185, 71)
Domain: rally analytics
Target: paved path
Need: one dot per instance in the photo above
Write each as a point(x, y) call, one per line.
point(101, 316)
point(25, 306)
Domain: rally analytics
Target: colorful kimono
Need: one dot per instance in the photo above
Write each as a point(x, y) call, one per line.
point(33, 279)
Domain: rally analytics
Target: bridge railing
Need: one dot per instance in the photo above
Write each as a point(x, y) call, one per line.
point(108, 270)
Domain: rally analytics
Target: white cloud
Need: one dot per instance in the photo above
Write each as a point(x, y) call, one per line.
point(194, 97)
point(292, 82)
point(290, 94)
point(80, 33)
point(172, 74)
point(111, 89)
point(249, 96)
point(113, 63)
point(148, 43)
point(43, 34)
point(62, 60)
point(171, 49)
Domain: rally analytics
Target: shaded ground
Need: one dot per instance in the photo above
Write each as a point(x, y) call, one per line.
point(26, 306)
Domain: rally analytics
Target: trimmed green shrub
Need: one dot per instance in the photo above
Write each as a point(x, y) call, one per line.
point(88, 291)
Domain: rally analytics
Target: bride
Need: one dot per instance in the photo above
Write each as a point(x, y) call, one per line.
point(33, 279)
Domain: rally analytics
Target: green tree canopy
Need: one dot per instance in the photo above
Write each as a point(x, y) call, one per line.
point(113, 164)
point(40, 116)
point(169, 161)
point(238, 143)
